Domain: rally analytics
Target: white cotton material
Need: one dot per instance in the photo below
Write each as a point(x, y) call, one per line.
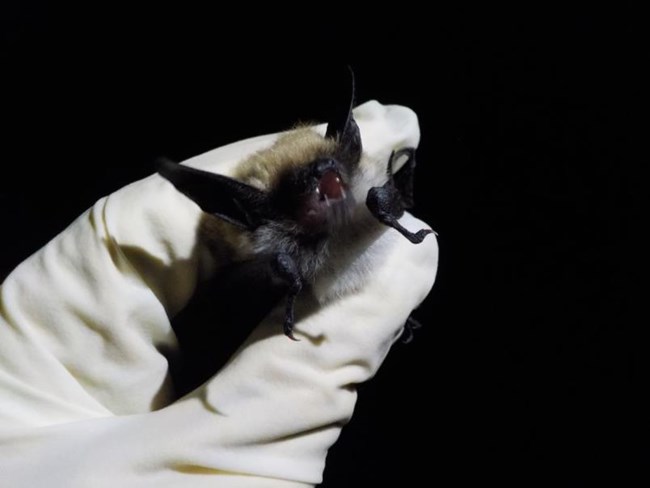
point(85, 394)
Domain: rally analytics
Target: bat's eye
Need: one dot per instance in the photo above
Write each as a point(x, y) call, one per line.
point(330, 186)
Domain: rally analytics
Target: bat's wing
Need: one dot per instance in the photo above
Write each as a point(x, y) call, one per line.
point(403, 179)
point(229, 199)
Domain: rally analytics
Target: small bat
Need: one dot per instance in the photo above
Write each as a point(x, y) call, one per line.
point(288, 206)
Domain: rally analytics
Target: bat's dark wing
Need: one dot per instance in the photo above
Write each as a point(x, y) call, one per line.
point(224, 197)
point(403, 179)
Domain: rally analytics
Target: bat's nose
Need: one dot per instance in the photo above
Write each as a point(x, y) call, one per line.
point(322, 166)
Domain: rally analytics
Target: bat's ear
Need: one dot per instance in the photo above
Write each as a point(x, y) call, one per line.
point(224, 197)
point(344, 128)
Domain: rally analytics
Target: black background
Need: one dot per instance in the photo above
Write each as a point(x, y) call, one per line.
point(532, 365)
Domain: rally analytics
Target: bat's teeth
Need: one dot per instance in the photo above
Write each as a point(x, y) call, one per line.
point(340, 213)
point(339, 209)
point(336, 215)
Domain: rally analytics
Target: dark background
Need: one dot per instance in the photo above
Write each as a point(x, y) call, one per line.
point(532, 364)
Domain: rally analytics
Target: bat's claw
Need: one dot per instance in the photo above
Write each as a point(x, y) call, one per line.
point(286, 268)
point(288, 331)
point(415, 237)
point(387, 204)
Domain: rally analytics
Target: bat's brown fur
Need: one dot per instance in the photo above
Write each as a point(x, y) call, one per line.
point(292, 149)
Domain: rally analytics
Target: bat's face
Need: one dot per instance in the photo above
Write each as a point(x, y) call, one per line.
point(305, 182)
point(306, 179)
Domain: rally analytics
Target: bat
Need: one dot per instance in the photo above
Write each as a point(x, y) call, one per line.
point(289, 209)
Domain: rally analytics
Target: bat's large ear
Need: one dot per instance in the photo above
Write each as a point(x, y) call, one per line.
point(344, 128)
point(229, 199)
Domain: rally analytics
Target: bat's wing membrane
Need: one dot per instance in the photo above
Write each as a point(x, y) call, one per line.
point(229, 199)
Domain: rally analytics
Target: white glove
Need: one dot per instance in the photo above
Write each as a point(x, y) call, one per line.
point(85, 397)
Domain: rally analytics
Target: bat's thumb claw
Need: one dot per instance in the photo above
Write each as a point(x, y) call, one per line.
point(292, 337)
point(288, 331)
point(419, 236)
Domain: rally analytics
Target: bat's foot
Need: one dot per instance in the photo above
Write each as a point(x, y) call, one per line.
point(414, 237)
point(410, 327)
point(286, 268)
point(388, 202)
point(384, 202)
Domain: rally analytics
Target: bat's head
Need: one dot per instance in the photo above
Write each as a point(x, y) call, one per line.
point(305, 178)
point(301, 184)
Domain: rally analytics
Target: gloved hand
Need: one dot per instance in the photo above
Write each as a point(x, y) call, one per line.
point(85, 397)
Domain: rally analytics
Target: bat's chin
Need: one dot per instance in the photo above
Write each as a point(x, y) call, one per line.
point(324, 211)
point(339, 211)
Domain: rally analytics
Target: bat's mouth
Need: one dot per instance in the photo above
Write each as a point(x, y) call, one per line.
point(330, 189)
point(328, 205)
